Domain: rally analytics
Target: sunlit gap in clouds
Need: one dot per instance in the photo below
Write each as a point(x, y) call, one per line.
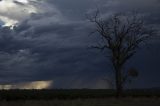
point(29, 85)
point(14, 11)
point(22, 1)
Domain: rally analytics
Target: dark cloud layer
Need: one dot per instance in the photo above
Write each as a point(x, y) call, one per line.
point(54, 46)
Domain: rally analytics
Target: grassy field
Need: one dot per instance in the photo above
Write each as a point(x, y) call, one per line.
point(83, 97)
point(86, 102)
point(72, 94)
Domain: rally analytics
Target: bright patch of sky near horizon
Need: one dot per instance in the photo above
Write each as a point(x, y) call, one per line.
point(28, 85)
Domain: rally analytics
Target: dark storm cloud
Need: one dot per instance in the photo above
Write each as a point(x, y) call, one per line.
point(54, 45)
point(75, 9)
point(55, 51)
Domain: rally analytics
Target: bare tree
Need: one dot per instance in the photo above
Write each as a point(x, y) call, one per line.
point(122, 35)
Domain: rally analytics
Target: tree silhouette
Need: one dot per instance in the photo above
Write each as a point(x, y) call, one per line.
point(122, 35)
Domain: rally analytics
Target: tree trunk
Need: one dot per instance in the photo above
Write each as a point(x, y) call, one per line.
point(119, 84)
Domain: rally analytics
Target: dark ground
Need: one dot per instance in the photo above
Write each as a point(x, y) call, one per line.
point(83, 97)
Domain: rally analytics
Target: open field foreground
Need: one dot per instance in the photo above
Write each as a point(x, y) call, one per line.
point(63, 94)
point(86, 102)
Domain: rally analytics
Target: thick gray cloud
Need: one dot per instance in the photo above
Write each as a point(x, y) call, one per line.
point(51, 43)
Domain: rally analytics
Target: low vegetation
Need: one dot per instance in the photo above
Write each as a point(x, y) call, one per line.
point(9, 95)
point(86, 102)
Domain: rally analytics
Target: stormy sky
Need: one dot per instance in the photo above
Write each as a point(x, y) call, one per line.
point(48, 40)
